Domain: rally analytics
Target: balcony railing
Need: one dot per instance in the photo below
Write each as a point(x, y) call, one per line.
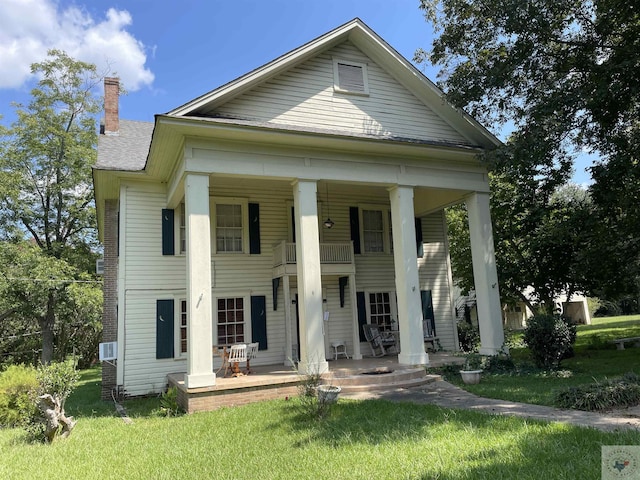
point(284, 253)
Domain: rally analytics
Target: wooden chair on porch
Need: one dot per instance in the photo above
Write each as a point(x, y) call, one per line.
point(379, 341)
point(237, 355)
point(252, 353)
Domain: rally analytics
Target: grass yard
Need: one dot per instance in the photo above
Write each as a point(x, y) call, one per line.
point(595, 359)
point(272, 440)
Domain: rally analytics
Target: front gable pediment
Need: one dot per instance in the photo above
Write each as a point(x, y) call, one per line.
point(341, 91)
point(347, 82)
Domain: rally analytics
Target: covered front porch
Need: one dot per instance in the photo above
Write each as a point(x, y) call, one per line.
point(269, 382)
point(245, 207)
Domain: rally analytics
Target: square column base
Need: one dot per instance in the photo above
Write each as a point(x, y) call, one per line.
point(491, 351)
point(199, 380)
point(312, 368)
point(413, 358)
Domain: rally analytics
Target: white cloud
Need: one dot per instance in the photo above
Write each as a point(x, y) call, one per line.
point(28, 28)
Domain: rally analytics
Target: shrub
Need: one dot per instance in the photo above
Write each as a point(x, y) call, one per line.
point(169, 403)
point(468, 337)
point(473, 361)
point(550, 338)
point(58, 379)
point(614, 393)
point(500, 363)
point(18, 386)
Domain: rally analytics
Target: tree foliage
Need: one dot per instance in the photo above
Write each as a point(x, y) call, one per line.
point(47, 197)
point(562, 75)
point(540, 242)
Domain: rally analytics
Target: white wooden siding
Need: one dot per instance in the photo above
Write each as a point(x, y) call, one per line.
point(305, 97)
point(433, 274)
point(150, 276)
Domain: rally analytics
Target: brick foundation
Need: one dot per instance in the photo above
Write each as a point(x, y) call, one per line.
point(207, 400)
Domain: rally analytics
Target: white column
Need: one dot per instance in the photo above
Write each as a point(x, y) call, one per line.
point(485, 275)
point(407, 282)
point(198, 233)
point(310, 312)
point(357, 354)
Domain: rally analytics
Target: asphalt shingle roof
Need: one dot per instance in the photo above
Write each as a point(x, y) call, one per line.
point(126, 150)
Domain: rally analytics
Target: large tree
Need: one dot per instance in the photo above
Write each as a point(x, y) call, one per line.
point(562, 75)
point(45, 184)
point(540, 242)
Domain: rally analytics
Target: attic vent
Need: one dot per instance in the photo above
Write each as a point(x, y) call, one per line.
point(350, 77)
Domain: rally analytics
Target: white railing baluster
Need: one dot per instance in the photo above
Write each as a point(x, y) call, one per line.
point(330, 253)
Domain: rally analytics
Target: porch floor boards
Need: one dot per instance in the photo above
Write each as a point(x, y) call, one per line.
point(278, 381)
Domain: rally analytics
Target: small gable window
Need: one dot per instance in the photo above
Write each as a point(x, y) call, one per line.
point(350, 77)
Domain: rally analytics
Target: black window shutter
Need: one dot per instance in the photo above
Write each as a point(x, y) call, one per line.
point(168, 237)
point(254, 228)
point(427, 313)
point(259, 320)
point(164, 329)
point(362, 314)
point(293, 224)
point(354, 222)
point(419, 240)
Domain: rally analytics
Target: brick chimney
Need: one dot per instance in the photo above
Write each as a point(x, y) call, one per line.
point(111, 116)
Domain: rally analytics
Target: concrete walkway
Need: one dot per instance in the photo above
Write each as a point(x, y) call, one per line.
point(444, 394)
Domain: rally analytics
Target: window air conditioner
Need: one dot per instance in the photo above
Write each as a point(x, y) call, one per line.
point(100, 266)
point(108, 351)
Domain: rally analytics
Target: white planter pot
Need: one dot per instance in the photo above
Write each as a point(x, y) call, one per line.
point(470, 377)
point(328, 393)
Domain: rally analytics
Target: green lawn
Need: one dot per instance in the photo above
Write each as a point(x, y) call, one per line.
point(272, 440)
point(595, 359)
point(358, 440)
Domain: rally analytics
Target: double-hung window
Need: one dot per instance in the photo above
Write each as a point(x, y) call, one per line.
point(230, 225)
point(373, 231)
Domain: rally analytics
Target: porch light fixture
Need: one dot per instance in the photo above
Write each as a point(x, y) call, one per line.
point(328, 223)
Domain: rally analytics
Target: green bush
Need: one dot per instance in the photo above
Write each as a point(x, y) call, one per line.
point(615, 393)
point(550, 338)
point(58, 379)
point(468, 337)
point(169, 406)
point(18, 386)
point(499, 364)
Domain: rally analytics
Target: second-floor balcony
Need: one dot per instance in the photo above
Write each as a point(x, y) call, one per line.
point(335, 258)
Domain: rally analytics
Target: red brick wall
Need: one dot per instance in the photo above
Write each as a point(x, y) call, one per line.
point(110, 292)
point(206, 401)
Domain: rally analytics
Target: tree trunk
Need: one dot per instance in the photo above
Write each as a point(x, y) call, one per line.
point(46, 327)
point(56, 422)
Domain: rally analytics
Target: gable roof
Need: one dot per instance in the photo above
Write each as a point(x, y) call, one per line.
point(357, 32)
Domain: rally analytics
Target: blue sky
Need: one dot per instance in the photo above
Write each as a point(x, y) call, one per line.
point(168, 52)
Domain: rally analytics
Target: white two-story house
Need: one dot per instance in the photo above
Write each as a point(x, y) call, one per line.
point(289, 207)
